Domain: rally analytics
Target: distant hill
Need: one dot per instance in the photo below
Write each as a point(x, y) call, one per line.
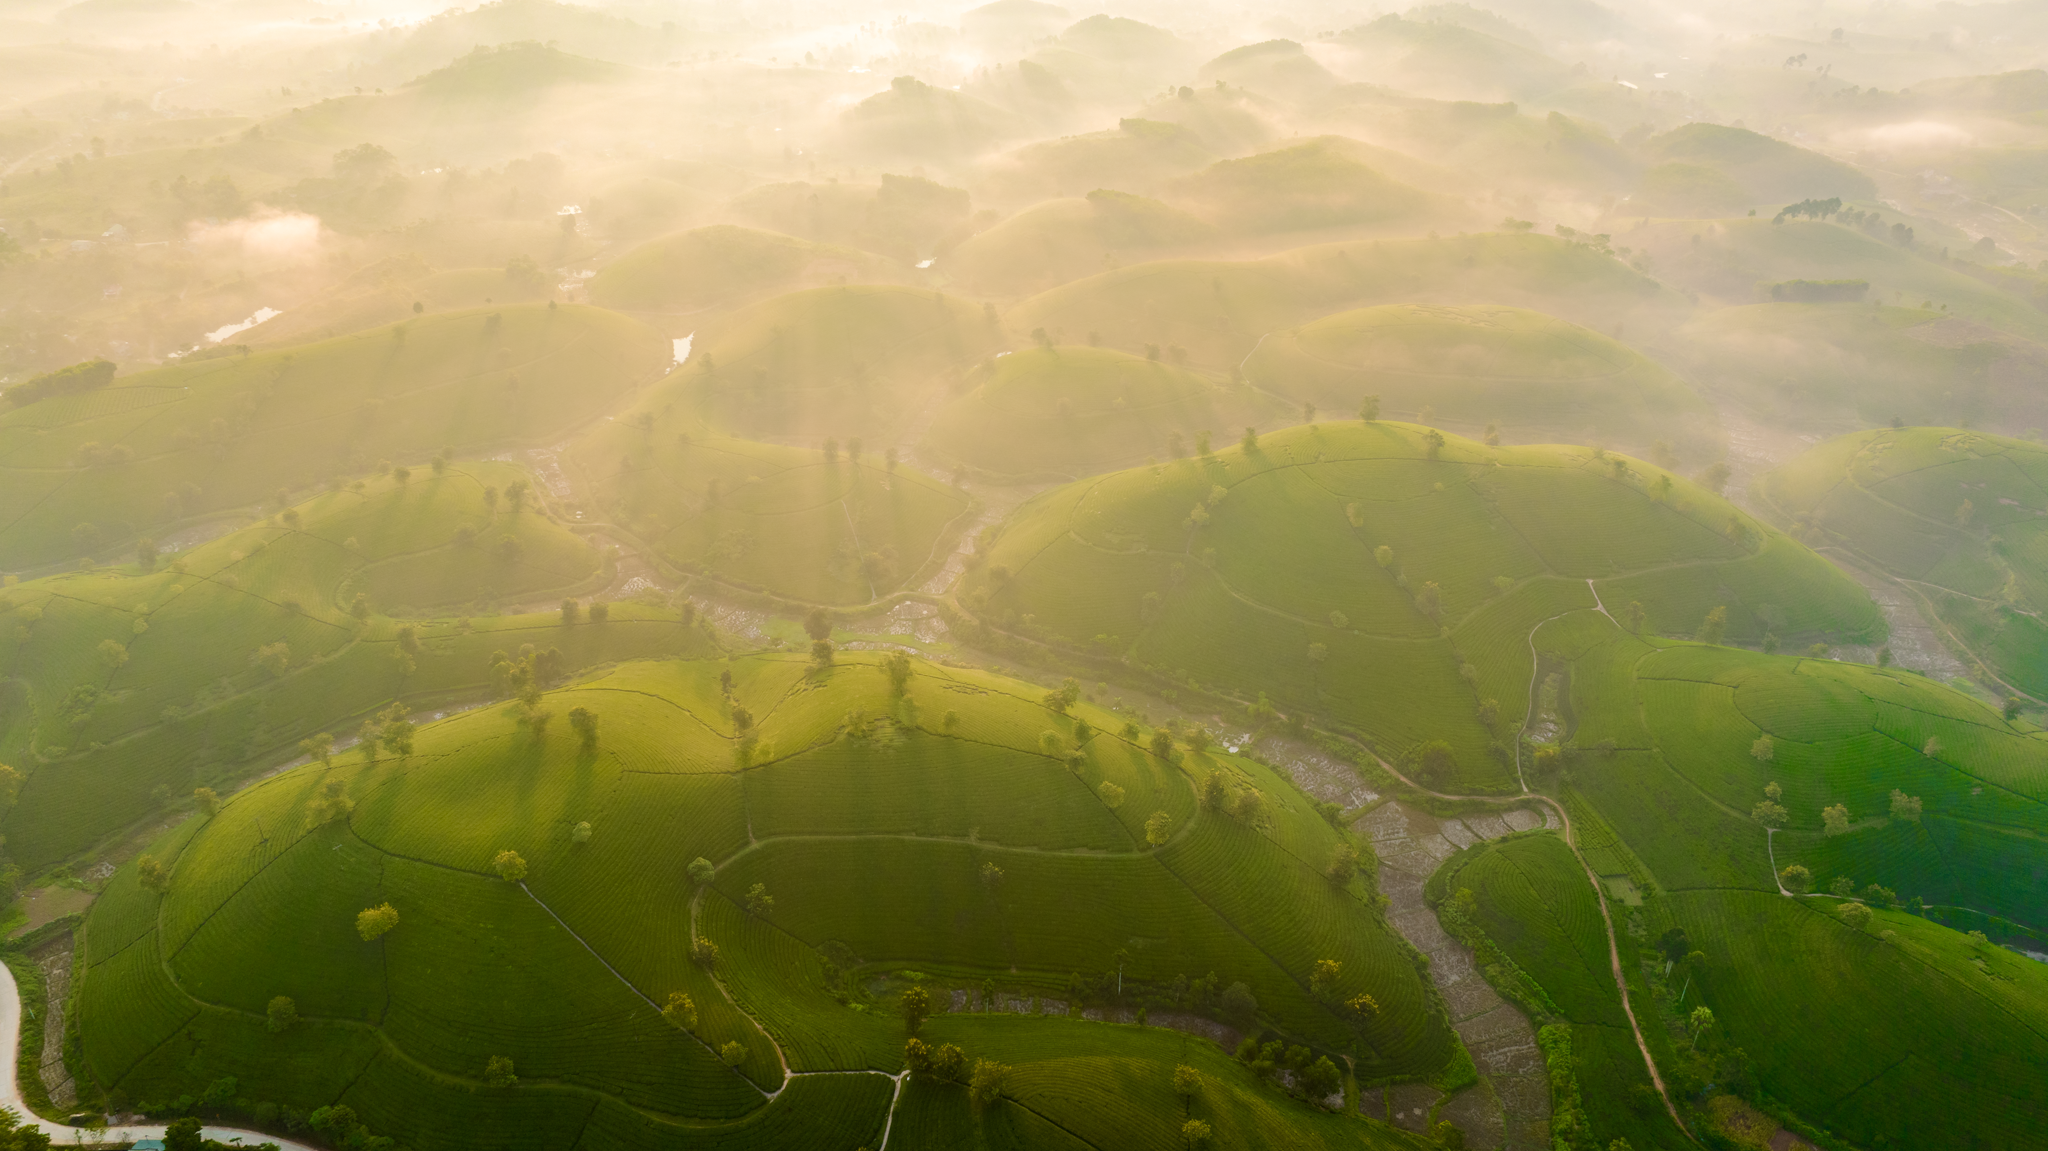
point(1319, 185)
point(723, 266)
point(913, 120)
point(1064, 240)
point(1768, 170)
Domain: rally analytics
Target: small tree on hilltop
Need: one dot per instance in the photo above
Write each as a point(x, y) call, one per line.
point(1763, 750)
point(570, 608)
point(898, 665)
point(498, 1071)
point(1343, 864)
point(817, 624)
point(759, 902)
point(1843, 887)
point(1322, 978)
point(821, 653)
point(584, 721)
point(1905, 806)
point(1112, 795)
point(704, 953)
point(1195, 1133)
point(1215, 789)
point(281, 1014)
point(1836, 818)
point(1239, 1005)
point(509, 866)
point(701, 871)
point(1162, 744)
point(681, 1011)
point(1158, 829)
point(1434, 762)
point(986, 1084)
point(1187, 1082)
point(1769, 814)
point(372, 922)
point(1854, 916)
point(1796, 879)
point(152, 874)
point(1713, 627)
point(991, 876)
point(916, 1004)
point(1321, 1080)
point(1369, 409)
point(319, 748)
point(209, 800)
point(1633, 616)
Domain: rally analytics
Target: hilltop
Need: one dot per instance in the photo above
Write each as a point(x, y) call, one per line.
point(1955, 514)
point(859, 835)
point(1383, 577)
point(1763, 168)
point(1218, 310)
point(724, 266)
point(1064, 240)
point(1075, 411)
point(159, 450)
point(1532, 377)
point(1826, 365)
point(842, 362)
point(130, 685)
point(1320, 185)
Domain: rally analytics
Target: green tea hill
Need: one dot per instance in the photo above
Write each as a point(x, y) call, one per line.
point(1064, 240)
point(1074, 411)
point(1218, 310)
point(1537, 377)
point(724, 266)
point(1385, 578)
point(851, 361)
point(126, 687)
point(860, 833)
point(1678, 759)
point(1319, 185)
point(1138, 155)
point(1827, 365)
point(1764, 168)
point(1957, 516)
point(153, 451)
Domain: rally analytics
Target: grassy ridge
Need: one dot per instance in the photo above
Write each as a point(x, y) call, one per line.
point(1200, 567)
point(160, 446)
point(196, 685)
point(721, 266)
point(1075, 411)
point(1956, 512)
point(825, 808)
point(1541, 378)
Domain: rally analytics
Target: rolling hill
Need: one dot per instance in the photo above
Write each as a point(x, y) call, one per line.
point(1831, 366)
point(974, 813)
point(724, 266)
point(1075, 411)
point(1320, 185)
point(162, 449)
point(1539, 378)
point(1064, 240)
point(1219, 309)
point(1385, 584)
point(127, 686)
point(1766, 169)
point(840, 362)
point(1954, 514)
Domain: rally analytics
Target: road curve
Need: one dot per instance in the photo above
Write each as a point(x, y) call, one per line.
point(60, 1133)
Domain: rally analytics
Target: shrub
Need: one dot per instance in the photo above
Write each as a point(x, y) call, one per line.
point(509, 866)
point(498, 1071)
point(281, 1014)
point(375, 921)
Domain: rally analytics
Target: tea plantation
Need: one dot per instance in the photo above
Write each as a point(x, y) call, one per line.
point(1384, 578)
point(866, 833)
point(1955, 515)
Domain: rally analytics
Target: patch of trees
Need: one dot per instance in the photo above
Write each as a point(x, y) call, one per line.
point(70, 381)
point(1819, 291)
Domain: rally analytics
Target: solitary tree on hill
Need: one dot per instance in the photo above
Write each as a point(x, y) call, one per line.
point(898, 665)
point(319, 748)
point(817, 624)
point(681, 1011)
point(1158, 829)
point(498, 1071)
point(570, 608)
point(759, 902)
point(1162, 744)
point(916, 1004)
point(1769, 814)
point(1369, 409)
point(1343, 864)
point(372, 922)
point(1796, 879)
point(986, 1083)
point(1112, 795)
point(152, 874)
point(1763, 750)
point(281, 1014)
point(209, 800)
point(1854, 916)
point(1905, 806)
point(704, 953)
point(1195, 1133)
point(584, 721)
point(509, 866)
point(1434, 761)
point(1836, 818)
point(1714, 626)
point(702, 871)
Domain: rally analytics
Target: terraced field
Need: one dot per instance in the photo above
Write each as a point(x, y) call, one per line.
point(1196, 568)
point(818, 787)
